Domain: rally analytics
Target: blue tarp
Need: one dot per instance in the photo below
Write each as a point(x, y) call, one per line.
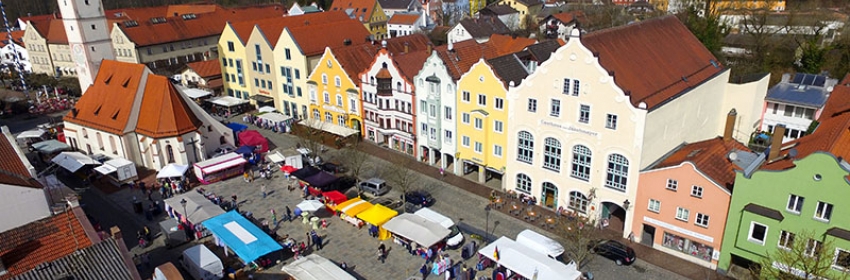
point(237, 127)
point(247, 240)
point(245, 150)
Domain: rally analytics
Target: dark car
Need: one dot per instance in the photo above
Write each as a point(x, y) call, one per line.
point(616, 251)
point(332, 167)
point(420, 198)
point(389, 203)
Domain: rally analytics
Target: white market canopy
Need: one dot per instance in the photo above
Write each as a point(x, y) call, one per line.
point(195, 93)
point(417, 228)
point(50, 146)
point(199, 207)
point(315, 267)
point(274, 117)
point(35, 133)
point(527, 262)
point(228, 101)
point(222, 162)
point(112, 165)
point(331, 128)
point(73, 161)
point(172, 170)
point(267, 109)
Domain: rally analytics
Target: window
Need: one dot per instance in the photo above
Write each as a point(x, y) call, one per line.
point(672, 184)
point(795, 203)
point(465, 118)
point(169, 153)
point(337, 81)
point(532, 105)
point(339, 100)
point(328, 117)
point(324, 79)
point(566, 86)
point(497, 150)
point(552, 154)
point(482, 100)
point(479, 148)
point(576, 86)
point(288, 54)
point(316, 114)
point(842, 260)
point(498, 126)
point(682, 214)
point(618, 172)
point(448, 138)
point(448, 113)
point(823, 211)
point(757, 233)
point(465, 96)
point(581, 162)
point(556, 108)
point(432, 110)
point(584, 114)
point(479, 123)
point(327, 98)
point(465, 141)
point(654, 205)
point(813, 247)
point(230, 47)
point(578, 202)
point(786, 240)
point(525, 147)
point(523, 183)
point(702, 220)
point(696, 191)
point(499, 103)
point(611, 121)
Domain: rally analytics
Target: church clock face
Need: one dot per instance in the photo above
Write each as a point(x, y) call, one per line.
point(79, 54)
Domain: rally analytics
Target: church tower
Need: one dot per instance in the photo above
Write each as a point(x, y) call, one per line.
point(88, 37)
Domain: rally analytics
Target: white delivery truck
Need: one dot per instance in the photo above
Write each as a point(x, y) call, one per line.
point(455, 237)
point(202, 263)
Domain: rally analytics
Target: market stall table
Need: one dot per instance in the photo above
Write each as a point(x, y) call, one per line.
point(377, 216)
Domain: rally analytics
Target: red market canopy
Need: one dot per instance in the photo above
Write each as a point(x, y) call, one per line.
point(335, 196)
point(288, 168)
point(253, 138)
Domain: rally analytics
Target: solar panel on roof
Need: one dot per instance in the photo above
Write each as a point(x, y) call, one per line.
point(798, 78)
point(820, 81)
point(809, 80)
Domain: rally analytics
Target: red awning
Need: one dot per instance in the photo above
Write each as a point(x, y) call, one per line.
point(288, 168)
point(335, 197)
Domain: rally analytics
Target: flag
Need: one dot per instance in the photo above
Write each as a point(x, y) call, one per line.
point(496, 253)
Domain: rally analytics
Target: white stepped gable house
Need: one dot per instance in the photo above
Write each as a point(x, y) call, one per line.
point(435, 94)
point(589, 125)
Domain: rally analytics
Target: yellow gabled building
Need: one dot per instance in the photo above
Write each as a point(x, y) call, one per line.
point(369, 12)
point(482, 114)
point(334, 96)
point(231, 50)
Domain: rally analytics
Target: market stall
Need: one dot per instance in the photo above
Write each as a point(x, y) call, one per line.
point(376, 216)
point(305, 172)
point(219, 168)
point(235, 233)
point(267, 109)
point(73, 161)
point(228, 105)
point(333, 198)
point(408, 228)
point(315, 267)
point(253, 138)
point(516, 258)
point(287, 157)
point(118, 171)
point(48, 149)
point(198, 208)
point(349, 209)
point(320, 182)
point(172, 170)
point(29, 137)
point(274, 121)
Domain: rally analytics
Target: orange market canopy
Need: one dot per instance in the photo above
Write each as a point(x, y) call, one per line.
point(353, 206)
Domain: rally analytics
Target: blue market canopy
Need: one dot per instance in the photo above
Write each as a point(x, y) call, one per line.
point(245, 150)
point(236, 127)
point(241, 236)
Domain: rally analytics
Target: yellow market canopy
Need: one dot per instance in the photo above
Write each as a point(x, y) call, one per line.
point(377, 215)
point(353, 206)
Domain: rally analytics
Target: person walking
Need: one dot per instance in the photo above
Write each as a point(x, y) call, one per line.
point(317, 242)
point(274, 218)
point(288, 214)
point(382, 252)
point(263, 190)
point(309, 238)
point(424, 271)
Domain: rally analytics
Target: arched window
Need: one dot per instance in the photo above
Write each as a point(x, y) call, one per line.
point(112, 144)
point(328, 117)
point(581, 162)
point(525, 152)
point(337, 81)
point(169, 152)
point(398, 86)
point(578, 202)
point(85, 133)
point(99, 140)
point(316, 115)
point(552, 154)
point(324, 79)
point(618, 172)
point(523, 183)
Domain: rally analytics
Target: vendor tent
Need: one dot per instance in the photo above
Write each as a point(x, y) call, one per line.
point(267, 109)
point(50, 146)
point(195, 93)
point(321, 180)
point(334, 197)
point(417, 229)
point(253, 138)
point(274, 117)
point(172, 170)
point(235, 232)
point(236, 127)
point(35, 133)
point(199, 208)
point(245, 150)
point(216, 164)
point(228, 101)
point(332, 128)
point(305, 172)
point(353, 206)
point(377, 216)
point(527, 262)
point(124, 170)
point(315, 267)
point(73, 161)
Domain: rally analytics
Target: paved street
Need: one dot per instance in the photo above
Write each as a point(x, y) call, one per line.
point(344, 243)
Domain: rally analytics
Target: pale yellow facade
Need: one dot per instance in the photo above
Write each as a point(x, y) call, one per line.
point(232, 55)
point(482, 120)
point(38, 51)
point(334, 97)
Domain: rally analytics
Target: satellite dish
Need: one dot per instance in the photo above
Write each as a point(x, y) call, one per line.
point(733, 156)
point(792, 153)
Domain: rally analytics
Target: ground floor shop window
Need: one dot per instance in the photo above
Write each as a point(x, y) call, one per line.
point(687, 246)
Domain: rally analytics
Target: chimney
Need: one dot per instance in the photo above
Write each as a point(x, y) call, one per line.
point(430, 47)
point(72, 201)
point(776, 142)
point(730, 125)
point(115, 232)
point(406, 47)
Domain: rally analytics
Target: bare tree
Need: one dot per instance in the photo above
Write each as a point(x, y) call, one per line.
point(355, 159)
point(579, 235)
point(401, 176)
point(804, 255)
point(311, 135)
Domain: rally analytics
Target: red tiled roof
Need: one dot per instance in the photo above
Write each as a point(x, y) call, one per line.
point(357, 58)
point(653, 61)
point(359, 8)
point(567, 17)
point(832, 134)
point(163, 112)
point(56, 32)
point(12, 168)
point(406, 19)
point(17, 37)
point(272, 28)
point(332, 35)
point(206, 69)
point(411, 63)
point(709, 156)
point(45, 240)
point(505, 44)
point(466, 53)
point(108, 102)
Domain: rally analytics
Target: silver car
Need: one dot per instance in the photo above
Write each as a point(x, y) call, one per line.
point(374, 186)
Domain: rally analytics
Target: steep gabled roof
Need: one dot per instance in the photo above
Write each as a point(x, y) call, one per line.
point(530, 3)
point(395, 4)
point(509, 68)
point(464, 54)
point(206, 69)
point(357, 58)
point(17, 38)
point(103, 261)
point(332, 35)
point(505, 44)
point(163, 112)
point(483, 28)
point(56, 32)
point(272, 28)
point(710, 158)
point(45, 240)
point(108, 103)
point(360, 10)
point(410, 63)
point(405, 18)
point(653, 61)
point(543, 50)
point(13, 171)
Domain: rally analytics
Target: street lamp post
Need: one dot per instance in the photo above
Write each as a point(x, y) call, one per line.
point(487, 224)
point(183, 203)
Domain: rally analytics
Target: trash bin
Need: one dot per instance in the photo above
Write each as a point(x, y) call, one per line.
point(314, 221)
point(137, 207)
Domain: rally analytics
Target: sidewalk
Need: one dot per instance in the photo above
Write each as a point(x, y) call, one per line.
point(645, 253)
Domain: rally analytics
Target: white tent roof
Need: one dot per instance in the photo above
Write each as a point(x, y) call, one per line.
point(525, 261)
point(266, 109)
point(112, 165)
point(228, 101)
point(417, 228)
point(201, 255)
point(332, 128)
point(275, 157)
point(199, 207)
point(172, 170)
point(315, 267)
point(274, 117)
point(73, 161)
point(35, 133)
point(195, 93)
point(540, 243)
point(432, 215)
point(222, 162)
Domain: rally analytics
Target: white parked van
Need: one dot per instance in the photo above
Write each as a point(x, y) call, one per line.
point(202, 263)
point(455, 237)
point(541, 243)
